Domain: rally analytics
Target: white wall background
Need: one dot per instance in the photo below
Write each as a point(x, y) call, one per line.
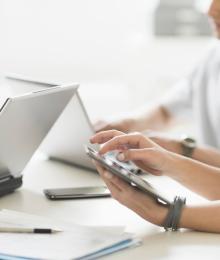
point(106, 45)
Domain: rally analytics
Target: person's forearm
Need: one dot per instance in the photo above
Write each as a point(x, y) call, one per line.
point(156, 118)
point(201, 218)
point(198, 177)
point(207, 155)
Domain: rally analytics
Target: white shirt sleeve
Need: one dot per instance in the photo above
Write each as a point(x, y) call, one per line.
point(179, 100)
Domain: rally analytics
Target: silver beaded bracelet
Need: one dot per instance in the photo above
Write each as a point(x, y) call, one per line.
point(172, 219)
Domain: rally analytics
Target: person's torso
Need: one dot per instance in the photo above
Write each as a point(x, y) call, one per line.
point(206, 98)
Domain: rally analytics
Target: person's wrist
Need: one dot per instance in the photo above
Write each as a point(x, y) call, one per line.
point(177, 146)
point(162, 212)
point(158, 214)
point(174, 164)
point(179, 166)
point(184, 218)
point(129, 124)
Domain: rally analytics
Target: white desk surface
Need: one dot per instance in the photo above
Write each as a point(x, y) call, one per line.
point(157, 244)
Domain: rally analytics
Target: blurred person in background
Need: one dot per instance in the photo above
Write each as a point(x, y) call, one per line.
point(197, 96)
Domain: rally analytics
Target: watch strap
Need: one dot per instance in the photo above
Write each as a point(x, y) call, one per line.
point(188, 145)
point(187, 151)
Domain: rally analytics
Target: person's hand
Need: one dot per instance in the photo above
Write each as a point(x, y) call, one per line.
point(126, 125)
point(136, 147)
point(129, 196)
point(123, 125)
point(170, 144)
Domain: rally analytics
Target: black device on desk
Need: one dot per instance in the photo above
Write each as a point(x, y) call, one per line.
point(77, 193)
point(9, 183)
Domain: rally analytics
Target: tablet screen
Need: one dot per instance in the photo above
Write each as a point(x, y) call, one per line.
point(125, 174)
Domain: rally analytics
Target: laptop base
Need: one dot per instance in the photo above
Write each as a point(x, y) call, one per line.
point(8, 183)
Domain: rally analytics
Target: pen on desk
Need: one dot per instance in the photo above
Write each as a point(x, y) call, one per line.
point(28, 230)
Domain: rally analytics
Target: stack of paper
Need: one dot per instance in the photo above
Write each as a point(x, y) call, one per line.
point(75, 242)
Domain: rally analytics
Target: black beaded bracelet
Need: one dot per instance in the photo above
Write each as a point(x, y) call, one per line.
point(172, 219)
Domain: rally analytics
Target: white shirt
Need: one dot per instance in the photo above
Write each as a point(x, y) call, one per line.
point(198, 96)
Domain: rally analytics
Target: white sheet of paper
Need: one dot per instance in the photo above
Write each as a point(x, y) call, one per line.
point(75, 240)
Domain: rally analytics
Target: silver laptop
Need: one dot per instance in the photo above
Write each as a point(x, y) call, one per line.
point(24, 122)
point(73, 129)
point(65, 142)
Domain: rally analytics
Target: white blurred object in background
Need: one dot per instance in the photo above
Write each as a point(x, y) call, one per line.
point(107, 46)
point(182, 17)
